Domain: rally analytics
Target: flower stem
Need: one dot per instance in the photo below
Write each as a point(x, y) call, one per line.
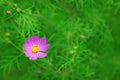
point(51, 71)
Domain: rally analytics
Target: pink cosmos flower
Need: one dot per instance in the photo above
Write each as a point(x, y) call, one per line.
point(35, 48)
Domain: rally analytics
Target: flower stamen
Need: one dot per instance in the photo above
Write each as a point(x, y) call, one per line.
point(35, 49)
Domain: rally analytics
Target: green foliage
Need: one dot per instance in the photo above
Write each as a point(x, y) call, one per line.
point(78, 32)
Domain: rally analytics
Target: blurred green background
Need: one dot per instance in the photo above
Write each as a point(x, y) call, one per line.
point(84, 36)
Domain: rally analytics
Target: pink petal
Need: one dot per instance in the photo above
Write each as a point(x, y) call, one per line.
point(41, 55)
point(28, 41)
point(33, 57)
point(43, 41)
point(35, 40)
point(44, 47)
point(28, 53)
point(27, 46)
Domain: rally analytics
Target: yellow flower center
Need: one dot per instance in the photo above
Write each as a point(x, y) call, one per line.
point(35, 49)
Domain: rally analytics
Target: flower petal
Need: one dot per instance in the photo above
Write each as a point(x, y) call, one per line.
point(29, 42)
point(27, 46)
point(41, 55)
point(42, 41)
point(44, 47)
point(35, 40)
point(28, 53)
point(33, 57)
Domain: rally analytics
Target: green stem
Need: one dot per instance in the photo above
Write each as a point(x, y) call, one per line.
point(51, 71)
